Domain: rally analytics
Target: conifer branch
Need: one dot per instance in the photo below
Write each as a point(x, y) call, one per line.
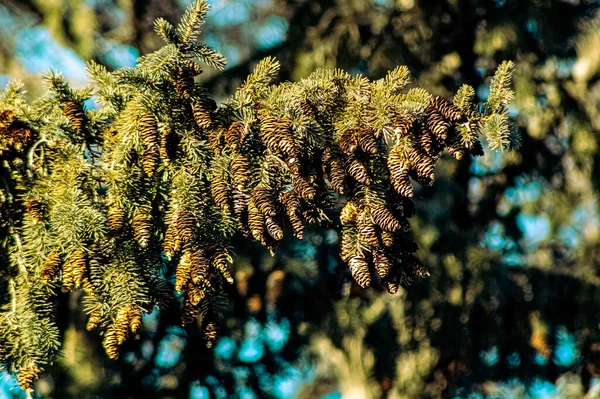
point(162, 177)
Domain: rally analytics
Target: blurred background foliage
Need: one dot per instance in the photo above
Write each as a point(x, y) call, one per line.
point(511, 309)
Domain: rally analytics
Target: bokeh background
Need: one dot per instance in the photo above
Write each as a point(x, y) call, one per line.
point(512, 307)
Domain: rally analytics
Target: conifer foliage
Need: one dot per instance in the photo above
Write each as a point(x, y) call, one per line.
point(156, 181)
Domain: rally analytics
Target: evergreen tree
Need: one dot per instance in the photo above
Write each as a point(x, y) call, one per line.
point(159, 179)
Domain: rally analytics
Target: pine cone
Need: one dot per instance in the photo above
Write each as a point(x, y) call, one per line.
point(359, 268)
point(366, 229)
point(256, 222)
point(383, 264)
point(240, 171)
point(115, 217)
point(142, 226)
point(51, 266)
point(367, 141)
point(76, 115)
point(135, 318)
point(203, 112)
point(233, 135)
point(199, 265)
point(359, 171)
point(94, 319)
point(28, 375)
point(219, 190)
point(446, 108)
point(436, 124)
point(110, 343)
point(220, 260)
point(348, 142)
point(182, 272)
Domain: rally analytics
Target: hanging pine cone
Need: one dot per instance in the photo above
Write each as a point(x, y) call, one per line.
point(359, 171)
point(171, 242)
point(287, 142)
point(264, 200)
point(219, 190)
point(76, 115)
point(51, 266)
point(186, 224)
point(367, 141)
point(269, 133)
point(142, 226)
point(256, 222)
point(307, 109)
point(184, 82)
point(382, 262)
point(337, 176)
point(359, 268)
point(36, 210)
point(67, 278)
point(304, 188)
point(291, 201)
point(28, 375)
point(121, 326)
point(115, 217)
point(148, 130)
point(403, 125)
point(384, 218)
point(195, 294)
point(203, 112)
point(348, 142)
point(391, 283)
point(110, 343)
point(211, 331)
point(135, 318)
point(199, 266)
point(94, 319)
point(240, 171)
point(149, 133)
point(387, 238)
point(77, 263)
point(274, 228)
point(422, 164)
point(446, 108)
point(216, 140)
point(427, 142)
point(6, 119)
point(295, 224)
point(240, 210)
point(436, 124)
point(221, 261)
point(401, 183)
point(182, 272)
point(150, 160)
point(233, 135)
point(366, 229)
point(456, 148)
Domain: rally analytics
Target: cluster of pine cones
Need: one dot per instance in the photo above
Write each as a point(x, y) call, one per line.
point(128, 319)
point(375, 230)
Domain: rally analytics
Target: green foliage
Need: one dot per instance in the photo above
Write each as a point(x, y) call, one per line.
point(160, 179)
